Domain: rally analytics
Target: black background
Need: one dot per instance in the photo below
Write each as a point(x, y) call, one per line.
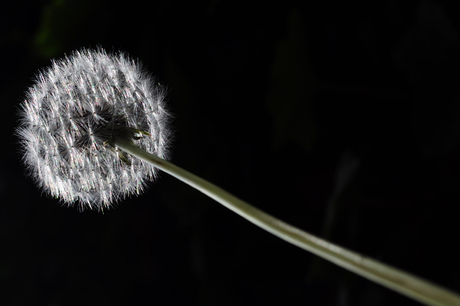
point(339, 117)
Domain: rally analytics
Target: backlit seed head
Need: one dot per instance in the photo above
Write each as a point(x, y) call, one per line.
point(71, 118)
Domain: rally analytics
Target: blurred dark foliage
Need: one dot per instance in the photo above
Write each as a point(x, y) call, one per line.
point(340, 117)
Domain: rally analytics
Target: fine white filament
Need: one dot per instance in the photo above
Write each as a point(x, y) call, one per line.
point(76, 108)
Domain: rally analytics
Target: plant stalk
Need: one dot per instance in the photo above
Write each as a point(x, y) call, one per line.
point(407, 284)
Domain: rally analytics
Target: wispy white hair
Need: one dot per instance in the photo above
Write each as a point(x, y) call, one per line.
point(71, 117)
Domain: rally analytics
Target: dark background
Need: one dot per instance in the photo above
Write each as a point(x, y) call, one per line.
point(341, 118)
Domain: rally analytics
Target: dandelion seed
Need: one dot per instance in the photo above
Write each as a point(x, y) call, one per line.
point(73, 114)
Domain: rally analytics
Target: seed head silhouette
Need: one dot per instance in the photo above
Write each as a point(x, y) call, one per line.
point(73, 114)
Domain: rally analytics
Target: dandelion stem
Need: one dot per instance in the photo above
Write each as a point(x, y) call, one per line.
point(392, 278)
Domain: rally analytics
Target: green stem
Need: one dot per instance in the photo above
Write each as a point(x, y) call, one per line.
point(392, 278)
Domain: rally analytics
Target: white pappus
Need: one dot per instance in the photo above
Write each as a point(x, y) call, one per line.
point(73, 114)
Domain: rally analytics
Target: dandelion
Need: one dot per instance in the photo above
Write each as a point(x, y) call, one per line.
point(94, 130)
point(71, 118)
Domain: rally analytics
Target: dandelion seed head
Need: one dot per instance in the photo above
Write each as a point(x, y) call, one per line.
point(71, 118)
